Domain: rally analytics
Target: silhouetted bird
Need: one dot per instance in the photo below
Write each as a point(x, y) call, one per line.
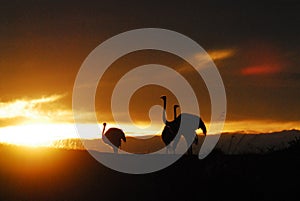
point(113, 137)
point(188, 131)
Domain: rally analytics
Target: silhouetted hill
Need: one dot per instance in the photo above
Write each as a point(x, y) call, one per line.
point(58, 174)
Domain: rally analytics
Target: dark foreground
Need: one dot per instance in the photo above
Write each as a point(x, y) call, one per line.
point(50, 174)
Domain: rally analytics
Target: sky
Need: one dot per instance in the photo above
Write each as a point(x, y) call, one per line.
point(254, 44)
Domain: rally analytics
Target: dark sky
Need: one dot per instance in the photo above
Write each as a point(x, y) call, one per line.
point(43, 44)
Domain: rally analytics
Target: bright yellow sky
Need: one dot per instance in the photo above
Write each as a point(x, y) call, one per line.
point(41, 127)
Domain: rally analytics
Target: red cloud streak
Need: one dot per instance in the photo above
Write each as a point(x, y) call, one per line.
point(261, 70)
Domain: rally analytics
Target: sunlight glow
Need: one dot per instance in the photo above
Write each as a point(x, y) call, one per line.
point(259, 126)
point(36, 134)
point(43, 134)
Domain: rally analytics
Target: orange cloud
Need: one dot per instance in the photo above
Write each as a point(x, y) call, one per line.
point(221, 54)
point(42, 109)
point(201, 58)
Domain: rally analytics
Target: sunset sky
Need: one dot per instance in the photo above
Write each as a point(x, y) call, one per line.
point(255, 46)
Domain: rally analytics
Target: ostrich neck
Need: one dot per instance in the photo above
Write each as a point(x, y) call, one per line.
point(164, 112)
point(103, 131)
point(175, 113)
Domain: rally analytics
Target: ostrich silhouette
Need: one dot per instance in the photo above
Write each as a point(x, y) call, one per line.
point(113, 137)
point(188, 131)
point(168, 133)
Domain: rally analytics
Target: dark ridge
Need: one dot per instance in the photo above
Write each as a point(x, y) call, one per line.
point(57, 174)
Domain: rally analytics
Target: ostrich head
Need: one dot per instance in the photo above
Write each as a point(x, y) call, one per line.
point(164, 98)
point(175, 114)
point(104, 125)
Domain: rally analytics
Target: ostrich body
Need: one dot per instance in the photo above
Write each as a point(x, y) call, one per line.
point(188, 131)
point(113, 137)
